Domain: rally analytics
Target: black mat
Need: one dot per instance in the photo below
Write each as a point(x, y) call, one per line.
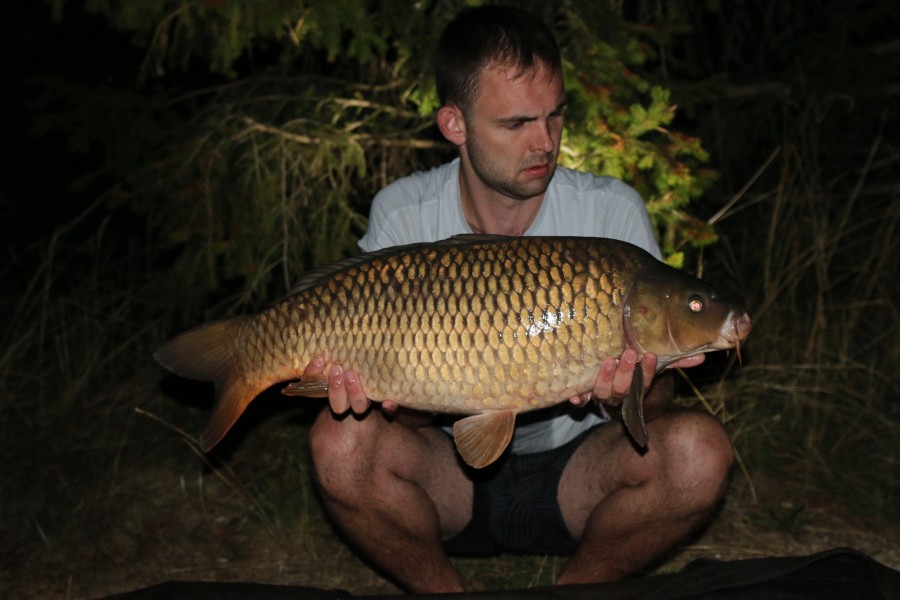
point(839, 574)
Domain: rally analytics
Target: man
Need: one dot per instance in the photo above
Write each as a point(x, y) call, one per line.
point(392, 481)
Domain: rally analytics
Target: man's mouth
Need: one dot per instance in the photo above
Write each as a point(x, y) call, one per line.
point(538, 170)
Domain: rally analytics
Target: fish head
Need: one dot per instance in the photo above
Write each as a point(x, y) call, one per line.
point(674, 315)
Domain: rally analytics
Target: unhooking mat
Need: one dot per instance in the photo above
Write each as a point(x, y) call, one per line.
point(839, 574)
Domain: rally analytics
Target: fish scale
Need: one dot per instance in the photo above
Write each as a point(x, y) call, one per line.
point(408, 370)
point(476, 325)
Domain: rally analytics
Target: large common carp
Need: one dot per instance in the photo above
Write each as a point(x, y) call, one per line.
point(485, 326)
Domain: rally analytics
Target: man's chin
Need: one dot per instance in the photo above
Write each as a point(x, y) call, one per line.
point(533, 185)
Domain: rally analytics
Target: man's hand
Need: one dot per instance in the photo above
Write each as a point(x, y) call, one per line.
point(345, 390)
point(614, 379)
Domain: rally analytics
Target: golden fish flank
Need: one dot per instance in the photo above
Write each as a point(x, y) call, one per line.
point(479, 325)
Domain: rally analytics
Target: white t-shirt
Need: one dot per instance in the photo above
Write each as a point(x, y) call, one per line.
point(425, 207)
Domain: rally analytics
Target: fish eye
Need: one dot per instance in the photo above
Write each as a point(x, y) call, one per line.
point(695, 303)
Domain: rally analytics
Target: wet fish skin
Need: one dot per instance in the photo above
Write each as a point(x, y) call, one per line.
point(476, 325)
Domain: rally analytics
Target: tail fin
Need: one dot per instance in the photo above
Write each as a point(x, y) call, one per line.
point(206, 353)
point(236, 394)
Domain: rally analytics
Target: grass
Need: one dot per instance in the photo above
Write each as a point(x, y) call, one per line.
point(816, 398)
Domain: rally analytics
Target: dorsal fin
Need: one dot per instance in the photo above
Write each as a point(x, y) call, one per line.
point(462, 239)
point(317, 276)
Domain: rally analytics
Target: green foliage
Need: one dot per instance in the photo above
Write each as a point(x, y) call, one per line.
point(619, 126)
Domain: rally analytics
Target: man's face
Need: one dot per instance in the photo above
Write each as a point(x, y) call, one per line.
point(513, 130)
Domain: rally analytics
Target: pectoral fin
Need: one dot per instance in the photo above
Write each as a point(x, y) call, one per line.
point(311, 387)
point(481, 439)
point(633, 408)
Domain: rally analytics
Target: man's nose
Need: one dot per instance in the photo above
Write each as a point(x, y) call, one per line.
point(544, 139)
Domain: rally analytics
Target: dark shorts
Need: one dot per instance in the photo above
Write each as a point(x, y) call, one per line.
point(515, 508)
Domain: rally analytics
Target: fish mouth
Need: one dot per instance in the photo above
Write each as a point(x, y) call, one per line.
point(736, 327)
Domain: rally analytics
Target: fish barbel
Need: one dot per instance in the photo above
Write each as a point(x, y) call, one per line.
point(486, 326)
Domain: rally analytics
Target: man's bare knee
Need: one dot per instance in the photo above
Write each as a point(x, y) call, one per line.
point(699, 456)
point(341, 451)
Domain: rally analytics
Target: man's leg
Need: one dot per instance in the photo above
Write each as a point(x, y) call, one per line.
point(626, 508)
point(396, 492)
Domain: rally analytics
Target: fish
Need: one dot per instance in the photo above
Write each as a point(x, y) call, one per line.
point(481, 326)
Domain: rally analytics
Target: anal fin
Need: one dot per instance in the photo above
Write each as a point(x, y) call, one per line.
point(633, 409)
point(481, 439)
point(311, 387)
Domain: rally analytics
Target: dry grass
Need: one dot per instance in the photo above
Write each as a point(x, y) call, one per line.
point(816, 400)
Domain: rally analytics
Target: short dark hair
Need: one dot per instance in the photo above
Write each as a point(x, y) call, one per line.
point(482, 35)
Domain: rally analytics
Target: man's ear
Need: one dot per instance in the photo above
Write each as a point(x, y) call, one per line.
point(451, 123)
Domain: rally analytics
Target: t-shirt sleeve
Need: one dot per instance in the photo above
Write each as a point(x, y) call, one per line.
point(390, 219)
point(627, 219)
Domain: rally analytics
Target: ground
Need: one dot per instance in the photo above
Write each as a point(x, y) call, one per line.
point(159, 511)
